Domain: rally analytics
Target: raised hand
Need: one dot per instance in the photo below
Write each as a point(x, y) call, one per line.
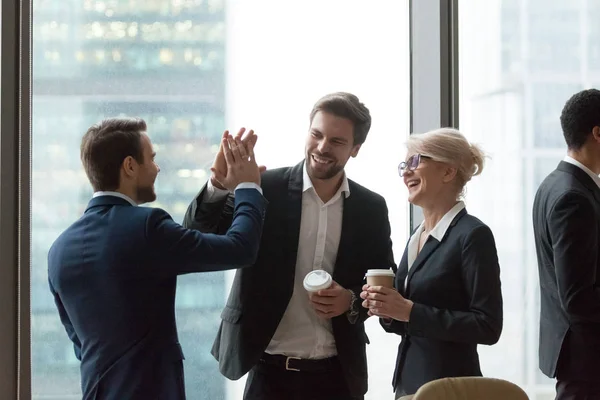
point(240, 163)
point(220, 164)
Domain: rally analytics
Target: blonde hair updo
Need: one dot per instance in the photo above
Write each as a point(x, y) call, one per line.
point(449, 146)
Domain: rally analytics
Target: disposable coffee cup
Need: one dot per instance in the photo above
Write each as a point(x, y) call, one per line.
point(380, 277)
point(317, 280)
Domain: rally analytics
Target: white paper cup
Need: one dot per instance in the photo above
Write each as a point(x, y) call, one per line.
point(317, 280)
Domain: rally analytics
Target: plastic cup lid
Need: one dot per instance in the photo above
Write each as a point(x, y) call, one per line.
point(317, 280)
point(380, 272)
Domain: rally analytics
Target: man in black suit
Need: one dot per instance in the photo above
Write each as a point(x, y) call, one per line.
point(113, 272)
point(566, 222)
point(296, 346)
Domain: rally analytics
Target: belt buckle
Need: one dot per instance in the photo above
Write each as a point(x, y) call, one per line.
point(287, 364)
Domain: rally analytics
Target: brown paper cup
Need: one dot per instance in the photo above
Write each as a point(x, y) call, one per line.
point(385, 281)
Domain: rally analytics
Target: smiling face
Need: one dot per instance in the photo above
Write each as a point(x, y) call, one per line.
point(329, 145)
point(427, 180)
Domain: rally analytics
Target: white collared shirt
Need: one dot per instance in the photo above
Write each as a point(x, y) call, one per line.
point(301, 333)
point(588, 171)
point(437, 232)
point(115, 194)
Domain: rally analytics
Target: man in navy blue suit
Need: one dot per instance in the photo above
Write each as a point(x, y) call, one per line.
point(113, 272)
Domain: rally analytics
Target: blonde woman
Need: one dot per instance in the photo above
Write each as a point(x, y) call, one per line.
point(447, 298)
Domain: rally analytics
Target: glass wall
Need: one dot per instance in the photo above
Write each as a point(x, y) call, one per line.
point(192, 69)
point(160, 60)
point(516, 72)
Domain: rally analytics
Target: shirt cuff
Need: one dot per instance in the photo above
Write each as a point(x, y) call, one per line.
point(248, 185)
point(213, 194)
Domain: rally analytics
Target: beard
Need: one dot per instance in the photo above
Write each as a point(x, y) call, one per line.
point(145, 194)
point(322, 173)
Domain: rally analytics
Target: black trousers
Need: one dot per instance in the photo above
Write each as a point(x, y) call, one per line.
point(272, 382)
point(577, 390)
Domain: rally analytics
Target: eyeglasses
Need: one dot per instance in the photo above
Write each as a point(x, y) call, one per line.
point(411, 164)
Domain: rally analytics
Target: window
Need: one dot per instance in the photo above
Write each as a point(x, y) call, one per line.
point(192, 69)
point(510, 102)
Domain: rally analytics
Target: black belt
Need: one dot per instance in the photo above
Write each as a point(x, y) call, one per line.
point(300, 364)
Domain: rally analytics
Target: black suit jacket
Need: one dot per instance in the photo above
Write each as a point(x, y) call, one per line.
point(455, 287)
point(113, 275)
point(566, 223)
point(260, 295)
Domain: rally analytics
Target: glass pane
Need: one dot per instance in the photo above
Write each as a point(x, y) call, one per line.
point(516, 72)
point(192, 69)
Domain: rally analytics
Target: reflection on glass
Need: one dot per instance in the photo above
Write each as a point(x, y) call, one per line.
point(164, 61)
point(516, 72)
point(108, 42)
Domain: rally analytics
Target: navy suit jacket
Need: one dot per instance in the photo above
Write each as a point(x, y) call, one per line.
point(455, 286)
point(113, 276)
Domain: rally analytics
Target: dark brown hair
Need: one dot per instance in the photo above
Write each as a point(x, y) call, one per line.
point(105, 146)
point(346, 105)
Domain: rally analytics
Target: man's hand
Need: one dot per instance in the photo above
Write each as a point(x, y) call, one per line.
point(240, 162)
point(220, 165)
point(386, 303)
point(329, 303)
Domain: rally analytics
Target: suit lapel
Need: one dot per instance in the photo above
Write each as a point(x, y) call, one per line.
point(430, 246)
point(402, 272)
point(349, 220)
point(294, 214)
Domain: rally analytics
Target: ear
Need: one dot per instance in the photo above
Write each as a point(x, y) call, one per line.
point(449, 174)
point(355, 150)
point(596, 133)
point(129, 166)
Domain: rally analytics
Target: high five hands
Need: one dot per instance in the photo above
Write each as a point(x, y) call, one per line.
point(235, 162)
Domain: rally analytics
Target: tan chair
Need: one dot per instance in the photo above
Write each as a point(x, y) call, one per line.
point(468, 388)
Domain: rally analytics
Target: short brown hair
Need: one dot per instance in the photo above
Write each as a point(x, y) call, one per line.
point(346, 105)
point(104, 147)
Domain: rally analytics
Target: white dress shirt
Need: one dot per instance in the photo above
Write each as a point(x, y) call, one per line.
point(588, 171)
point(437, 232)
point(301, 333)
point(116, 194)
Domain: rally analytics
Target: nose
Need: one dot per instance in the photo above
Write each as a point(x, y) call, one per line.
point(323, 146)
point(407, 172)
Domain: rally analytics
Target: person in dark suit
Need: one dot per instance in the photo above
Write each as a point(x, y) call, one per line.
point(113, 272)
point(566, 223)
point(448, 297)
point(298, 346)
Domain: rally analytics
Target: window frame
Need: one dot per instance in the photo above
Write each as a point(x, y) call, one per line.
point(433, 71)
point(15, 199)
